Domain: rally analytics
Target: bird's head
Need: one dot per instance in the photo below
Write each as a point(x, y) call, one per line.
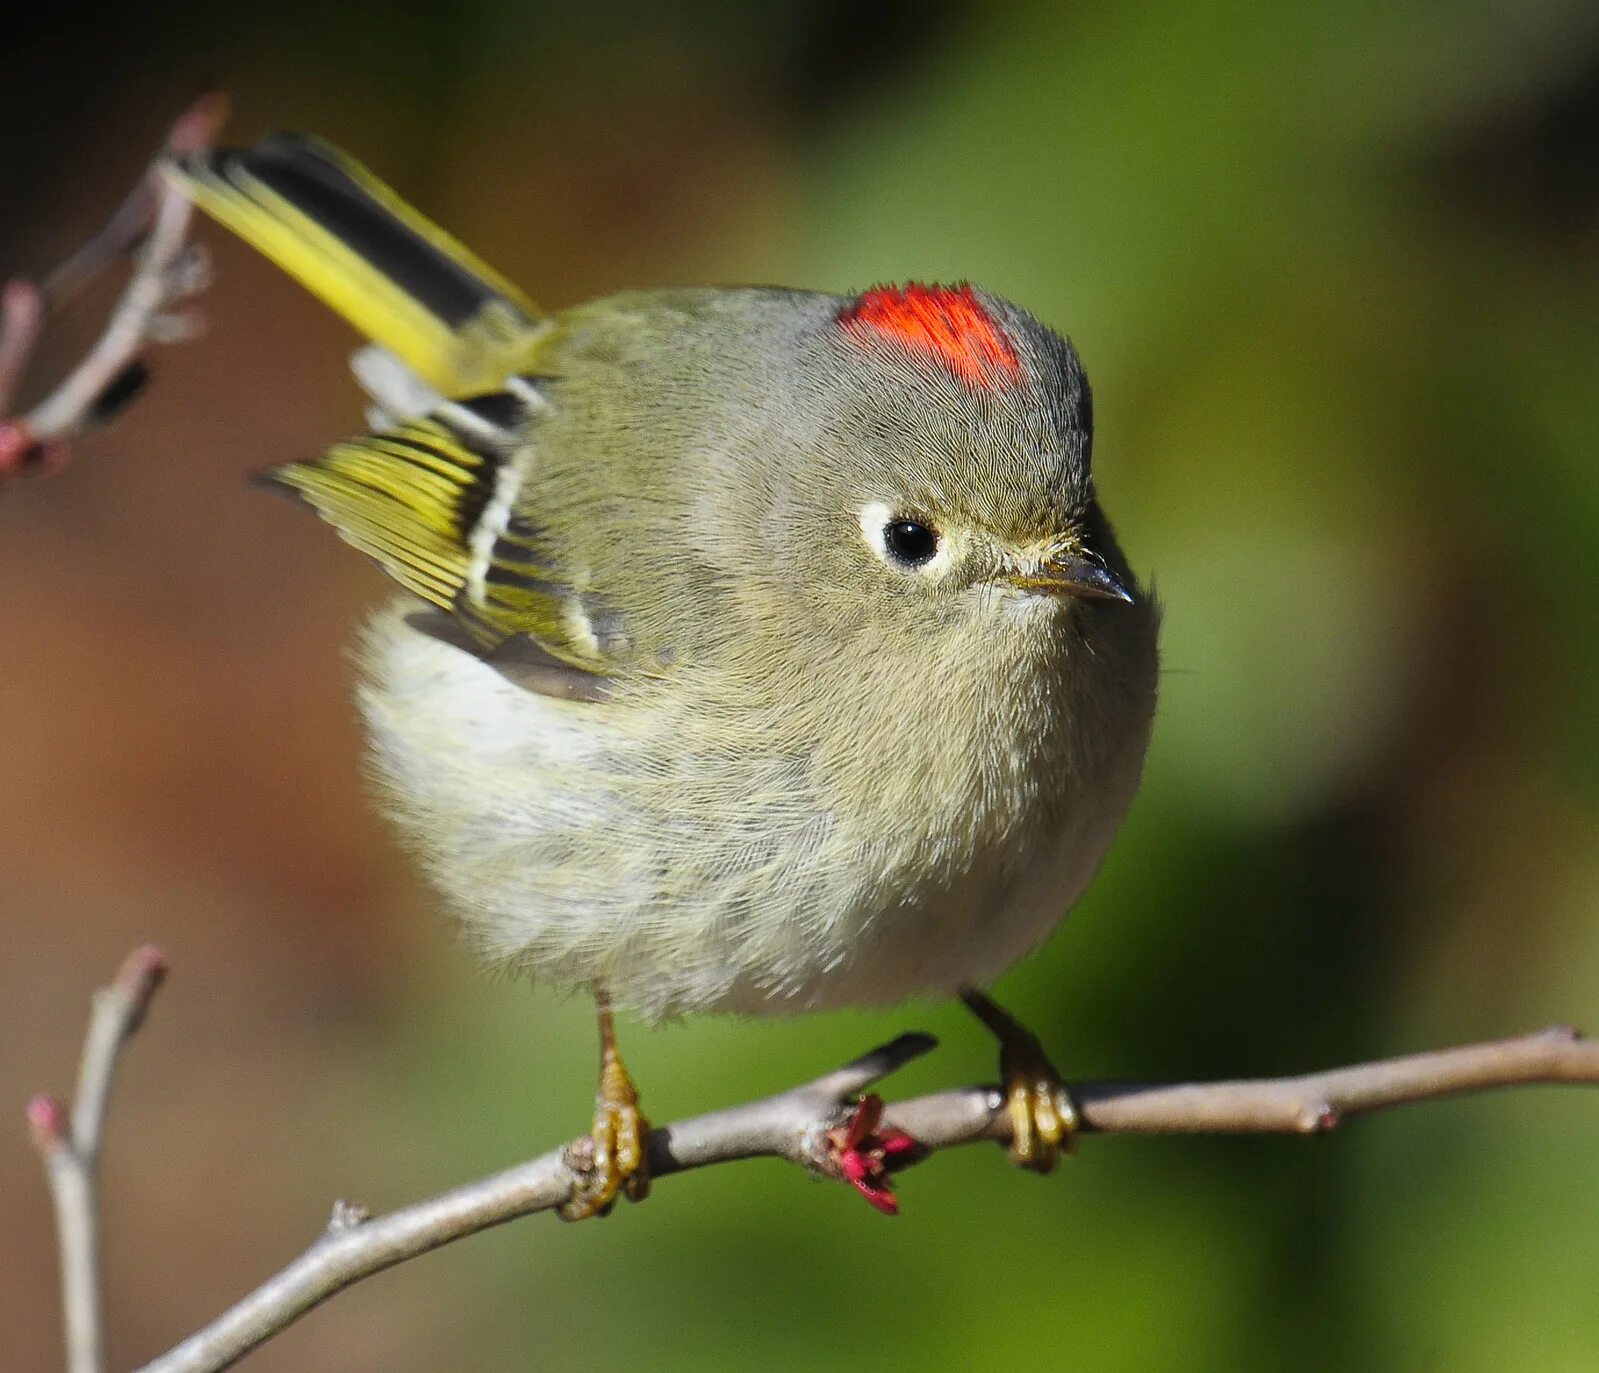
point(946, 487)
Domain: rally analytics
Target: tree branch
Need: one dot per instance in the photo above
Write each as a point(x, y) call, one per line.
point(803, 1126)
point(151, 227)
point(70, 1143)
point(821, 1126)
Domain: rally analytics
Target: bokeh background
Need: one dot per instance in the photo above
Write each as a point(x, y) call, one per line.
point(1333, 271)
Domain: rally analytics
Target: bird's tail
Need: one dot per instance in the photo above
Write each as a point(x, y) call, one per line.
point(396, 276)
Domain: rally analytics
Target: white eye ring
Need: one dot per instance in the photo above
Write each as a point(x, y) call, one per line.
point(878, 517)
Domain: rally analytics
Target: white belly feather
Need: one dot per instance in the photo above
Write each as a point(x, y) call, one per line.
point(569, 850)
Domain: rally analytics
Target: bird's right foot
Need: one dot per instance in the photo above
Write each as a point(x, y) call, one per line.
point(1043, 1117)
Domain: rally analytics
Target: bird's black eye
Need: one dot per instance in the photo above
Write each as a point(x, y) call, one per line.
point(910, 542)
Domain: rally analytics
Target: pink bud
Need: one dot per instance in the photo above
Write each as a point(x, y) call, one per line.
point(143, 970)
point(47, 1119)
point(18, 447)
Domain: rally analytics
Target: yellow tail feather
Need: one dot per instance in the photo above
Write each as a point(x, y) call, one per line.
point(396, 276)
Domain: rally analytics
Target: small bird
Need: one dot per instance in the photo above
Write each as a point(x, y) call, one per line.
point(759, 650)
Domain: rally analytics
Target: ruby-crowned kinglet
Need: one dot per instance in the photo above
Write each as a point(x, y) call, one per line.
point(761, 650)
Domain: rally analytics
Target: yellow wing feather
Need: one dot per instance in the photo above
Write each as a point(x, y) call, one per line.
point(407, 499)
point(429, 499)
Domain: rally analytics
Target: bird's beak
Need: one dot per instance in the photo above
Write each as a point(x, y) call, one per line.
point(1073, 576)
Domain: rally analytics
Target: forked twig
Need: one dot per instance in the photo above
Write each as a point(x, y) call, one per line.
point(150, 227)
point(70, 1143)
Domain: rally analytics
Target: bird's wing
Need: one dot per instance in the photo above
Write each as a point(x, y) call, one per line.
point(439, 503)
point(432, 497)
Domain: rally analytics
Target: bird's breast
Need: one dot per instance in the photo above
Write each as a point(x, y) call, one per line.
point(689, 852)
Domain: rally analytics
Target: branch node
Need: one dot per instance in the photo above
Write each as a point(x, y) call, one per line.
point(347, 1215)
point(578, 1155)
point(866, 1154)
point(190, 274)
point(1320, 1117)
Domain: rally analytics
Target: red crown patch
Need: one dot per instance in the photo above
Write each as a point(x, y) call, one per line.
point(948, 322)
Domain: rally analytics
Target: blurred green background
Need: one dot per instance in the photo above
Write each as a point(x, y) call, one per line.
point(1334, 273)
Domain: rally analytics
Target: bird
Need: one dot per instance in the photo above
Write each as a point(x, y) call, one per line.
point(755, 650)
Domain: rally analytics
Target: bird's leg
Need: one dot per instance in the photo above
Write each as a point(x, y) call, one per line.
point(620, 1134)
point(1043, 1117)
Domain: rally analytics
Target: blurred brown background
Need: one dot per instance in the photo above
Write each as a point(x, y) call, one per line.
point(1334, 276)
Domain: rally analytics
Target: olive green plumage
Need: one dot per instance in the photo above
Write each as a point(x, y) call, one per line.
point(673, 712)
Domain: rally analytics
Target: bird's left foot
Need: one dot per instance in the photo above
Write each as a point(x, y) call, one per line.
point(620, 1160)
point(1043, 1117)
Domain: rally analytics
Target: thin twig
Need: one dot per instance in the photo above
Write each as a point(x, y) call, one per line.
point(192, 132)
point(21, 317)
point(70, 1142)
point(802, 1126)
point(1308, 1105)
point(150, 227)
